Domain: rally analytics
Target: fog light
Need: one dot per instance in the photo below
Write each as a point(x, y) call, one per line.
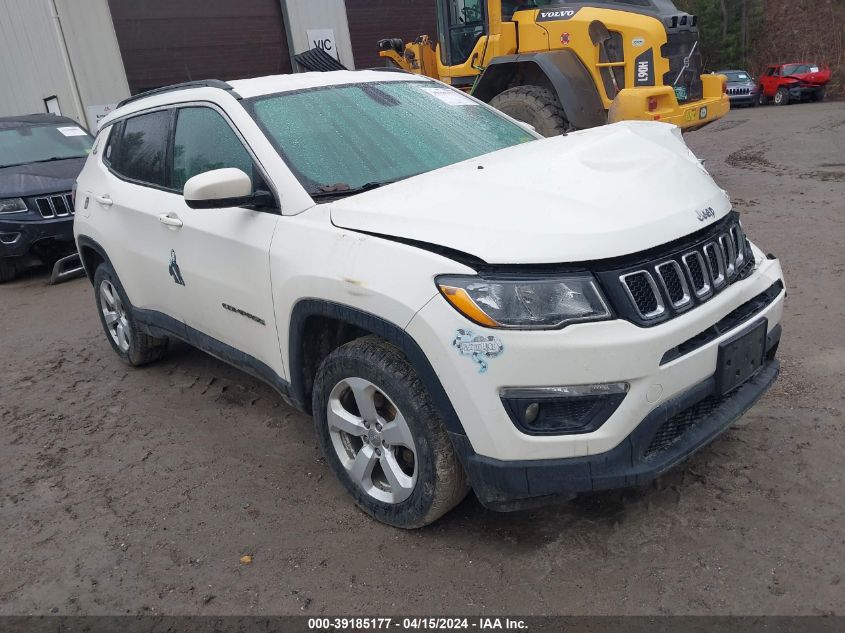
point(532, 412)
point(562, 410)
point(9, 238)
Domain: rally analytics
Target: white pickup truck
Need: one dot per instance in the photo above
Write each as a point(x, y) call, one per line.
point(459, 303)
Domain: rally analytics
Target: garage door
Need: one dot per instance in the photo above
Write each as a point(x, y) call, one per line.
point(374, 20)
point(170, 41)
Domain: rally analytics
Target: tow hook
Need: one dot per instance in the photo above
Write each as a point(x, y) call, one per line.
point(67, 268)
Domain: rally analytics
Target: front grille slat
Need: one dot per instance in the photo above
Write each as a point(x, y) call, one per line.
point(674, 283)
point(644, 293)
point(715, 264)
point(58, 205)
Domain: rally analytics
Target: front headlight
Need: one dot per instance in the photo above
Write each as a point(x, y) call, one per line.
point(525, 303)
point(12, 205)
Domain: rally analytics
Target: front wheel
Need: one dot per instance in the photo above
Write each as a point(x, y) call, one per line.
point(382, 435)
point(130, 343)
point(782, 97)
point(536, 106)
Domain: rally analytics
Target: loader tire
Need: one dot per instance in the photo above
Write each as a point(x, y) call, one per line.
point(536, 106)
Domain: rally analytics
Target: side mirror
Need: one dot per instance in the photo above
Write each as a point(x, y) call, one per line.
point(221, 188)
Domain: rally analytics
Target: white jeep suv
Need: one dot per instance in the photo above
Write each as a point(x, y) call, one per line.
point(458, 302)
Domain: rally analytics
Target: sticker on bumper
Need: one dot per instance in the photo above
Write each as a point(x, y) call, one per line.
point(479, 348)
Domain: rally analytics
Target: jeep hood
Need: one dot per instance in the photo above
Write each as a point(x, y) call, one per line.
point(35, 179)
point(593, 194)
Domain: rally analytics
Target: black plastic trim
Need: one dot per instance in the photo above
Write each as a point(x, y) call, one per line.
point(388, 331)
point(746, 312)
point(158, 324)
point(206, 83)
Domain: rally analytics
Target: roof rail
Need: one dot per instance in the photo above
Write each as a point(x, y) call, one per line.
point(205, 83)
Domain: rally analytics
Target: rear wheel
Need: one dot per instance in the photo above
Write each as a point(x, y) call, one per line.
point(819, 95)
point(382, 436)
point(536, 106)
point(129, 342)
point(782, 97)
point(8, 269)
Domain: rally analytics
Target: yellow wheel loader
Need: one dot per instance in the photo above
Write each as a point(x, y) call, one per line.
point(571, 66)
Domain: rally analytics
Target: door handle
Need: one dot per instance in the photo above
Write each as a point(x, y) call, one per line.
point(170, 221)
point(104, 200)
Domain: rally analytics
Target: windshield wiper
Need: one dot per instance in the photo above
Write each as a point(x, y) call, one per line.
point(43, 160)
point(338, 190)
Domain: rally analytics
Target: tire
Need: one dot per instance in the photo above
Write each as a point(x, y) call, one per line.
point(536, 106)
point(763, 100)
point(396, 460)
point(129, 342)
point(782, 97)
point(819, 95)
point(8, 269)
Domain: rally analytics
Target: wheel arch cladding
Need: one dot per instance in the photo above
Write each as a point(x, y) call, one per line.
point(92, 255)
point(309, 343)
point(562, 71)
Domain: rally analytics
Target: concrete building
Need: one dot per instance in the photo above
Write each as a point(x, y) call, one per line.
point(80, 57)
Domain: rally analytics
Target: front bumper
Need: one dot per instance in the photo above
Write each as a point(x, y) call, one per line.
point(667, 436)
point(632, 104)
point(21, 236)
point(800, 93)
point(749, 99)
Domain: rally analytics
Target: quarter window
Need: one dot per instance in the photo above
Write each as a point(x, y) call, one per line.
point(141, 150)
point(205, 141)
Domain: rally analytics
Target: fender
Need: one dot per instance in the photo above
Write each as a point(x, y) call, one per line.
point(386, 330)
point(562, 70)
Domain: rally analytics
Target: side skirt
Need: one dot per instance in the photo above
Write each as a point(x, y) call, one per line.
point(158, 324)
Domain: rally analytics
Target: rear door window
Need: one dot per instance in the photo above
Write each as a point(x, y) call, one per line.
point(140, 152)
point(205, 141)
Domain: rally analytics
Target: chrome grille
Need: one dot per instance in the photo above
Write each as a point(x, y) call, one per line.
point(59, 205)
point(677, 282)
point(737, 92)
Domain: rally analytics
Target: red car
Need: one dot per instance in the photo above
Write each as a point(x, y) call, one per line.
point(785, 83)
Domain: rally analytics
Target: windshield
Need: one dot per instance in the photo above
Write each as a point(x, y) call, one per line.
point(19, 146)
point(737, 76)
point(348, 137)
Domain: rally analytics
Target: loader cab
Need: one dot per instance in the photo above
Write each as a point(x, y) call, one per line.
point(460, 24)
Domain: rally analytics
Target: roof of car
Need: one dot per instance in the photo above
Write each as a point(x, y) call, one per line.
point(25, 120)
point(255, 87)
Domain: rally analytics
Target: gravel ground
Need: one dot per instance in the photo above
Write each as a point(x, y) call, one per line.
point(138, 491)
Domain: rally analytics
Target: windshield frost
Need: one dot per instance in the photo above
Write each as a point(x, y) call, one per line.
point(19, 146)
point(345, 137)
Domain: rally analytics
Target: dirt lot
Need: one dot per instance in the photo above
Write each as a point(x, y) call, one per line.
point(137, 491)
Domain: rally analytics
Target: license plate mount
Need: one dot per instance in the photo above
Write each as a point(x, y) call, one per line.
point(741, 357)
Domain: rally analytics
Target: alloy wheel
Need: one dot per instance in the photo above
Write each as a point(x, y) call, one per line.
point(372, 439)
point(114, 315)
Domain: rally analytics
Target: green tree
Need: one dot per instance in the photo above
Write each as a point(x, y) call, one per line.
point(728, 30)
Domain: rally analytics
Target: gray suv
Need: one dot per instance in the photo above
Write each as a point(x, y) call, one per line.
point(741, 88)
